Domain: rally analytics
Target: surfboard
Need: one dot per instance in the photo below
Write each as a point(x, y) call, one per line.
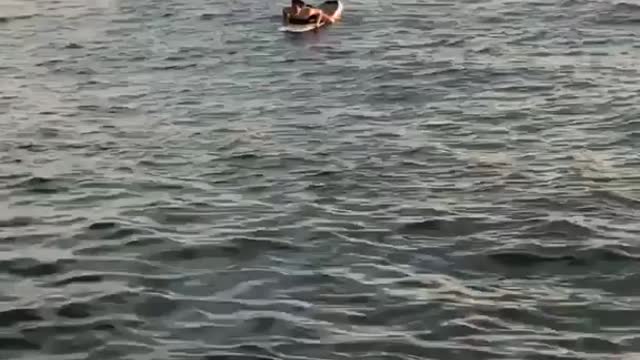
point(333, 8)
point(295, 28)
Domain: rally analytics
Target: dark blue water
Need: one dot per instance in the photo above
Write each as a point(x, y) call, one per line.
point(422, 180)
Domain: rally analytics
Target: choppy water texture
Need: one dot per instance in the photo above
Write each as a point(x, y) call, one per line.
point(423, 180)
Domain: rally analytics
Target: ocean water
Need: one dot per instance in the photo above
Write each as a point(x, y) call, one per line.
point(422, 180)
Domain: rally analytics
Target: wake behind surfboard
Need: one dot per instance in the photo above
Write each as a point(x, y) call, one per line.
point(332, 8)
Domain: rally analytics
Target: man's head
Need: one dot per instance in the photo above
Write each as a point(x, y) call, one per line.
point(297, 4)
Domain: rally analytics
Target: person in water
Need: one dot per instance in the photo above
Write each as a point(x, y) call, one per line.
point(300, 13)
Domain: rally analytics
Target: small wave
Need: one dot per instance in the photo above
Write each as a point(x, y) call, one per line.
point(14, 316)
point(618, 198)
point(110, 230)
point(17, 343)
point(228, 355)
point(6, 19)
point(18, 221)
point(31, 147)
point(525, 258)
point(622, 13)
point(54, 333)
point(30, 267)
point(155, 305)
point(235, 248)
point(624, 6)
point(566, 255)
point(590, 343)
point(86, 278)
point(562, 228)
point(41, 185)
point(75, 310)
point(446, 228)
point(73, 46)
point(174, 67)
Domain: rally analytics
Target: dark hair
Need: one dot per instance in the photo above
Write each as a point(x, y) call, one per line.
point(298, 2)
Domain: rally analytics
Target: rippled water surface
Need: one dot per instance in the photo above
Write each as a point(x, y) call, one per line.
point(422, 180)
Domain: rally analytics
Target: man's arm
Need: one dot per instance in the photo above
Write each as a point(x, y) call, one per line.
point(319, 17)
point(322, 16)
point(326, 18)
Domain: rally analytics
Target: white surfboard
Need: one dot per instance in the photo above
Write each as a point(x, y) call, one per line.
point(332, 8)
point(298, 28)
